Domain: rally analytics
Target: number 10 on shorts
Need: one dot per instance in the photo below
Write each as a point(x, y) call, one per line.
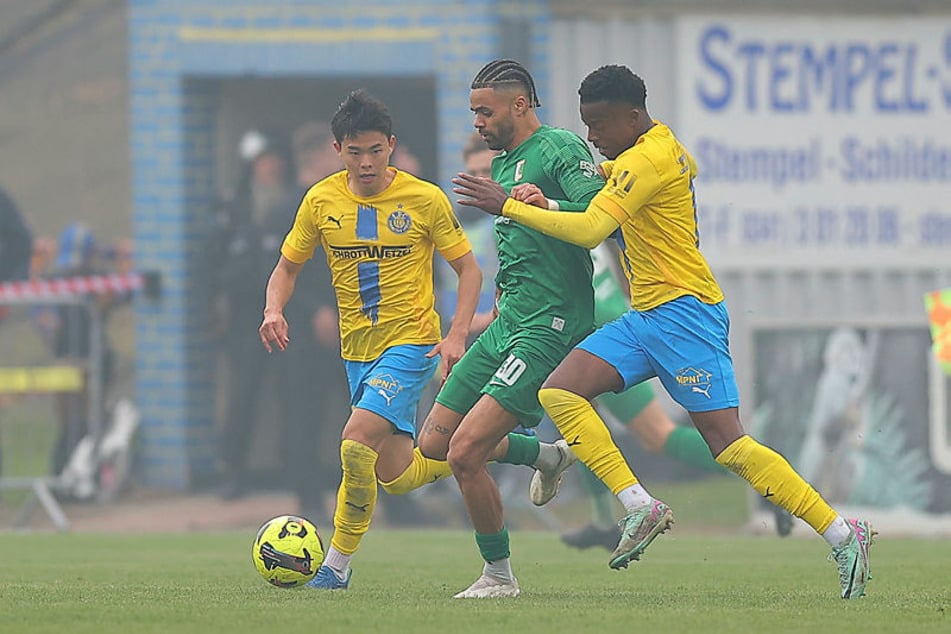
point(509, 372)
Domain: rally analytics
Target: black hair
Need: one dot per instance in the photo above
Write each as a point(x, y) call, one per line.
point(507, 72)
point(614, 83)
point(361, 112)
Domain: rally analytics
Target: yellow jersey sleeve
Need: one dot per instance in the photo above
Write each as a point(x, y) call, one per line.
point(447, 233)
point(587, 228)
point(633, 183)
point(303, 238)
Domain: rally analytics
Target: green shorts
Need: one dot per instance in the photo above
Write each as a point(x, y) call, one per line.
point(509, 363)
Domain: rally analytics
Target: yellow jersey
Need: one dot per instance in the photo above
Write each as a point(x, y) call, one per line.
point(380, 254)
point(649, 192)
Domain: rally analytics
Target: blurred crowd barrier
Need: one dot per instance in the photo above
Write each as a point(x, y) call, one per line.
point(67, 416)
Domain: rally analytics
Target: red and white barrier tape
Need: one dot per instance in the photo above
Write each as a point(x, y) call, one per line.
point(71, 286)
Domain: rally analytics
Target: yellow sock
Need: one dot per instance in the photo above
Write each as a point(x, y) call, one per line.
point(420, 472)
point(356, 497)
point(773, 477)
point(588, 437)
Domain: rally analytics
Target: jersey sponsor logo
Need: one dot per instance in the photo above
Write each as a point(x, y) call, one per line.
point(372, 251)
point(589, 169)
point(399, 221)
point(519, 170)
point(509, 372)
point(557, 323)
point(695, 379)
point(386, 386)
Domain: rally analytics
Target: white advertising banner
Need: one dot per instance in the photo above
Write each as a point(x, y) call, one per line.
point(820, 142)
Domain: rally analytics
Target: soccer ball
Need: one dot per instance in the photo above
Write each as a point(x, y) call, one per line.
point(287, 551)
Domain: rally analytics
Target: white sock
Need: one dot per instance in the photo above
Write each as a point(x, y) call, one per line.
point(838, 533)
point(634, 497)
point(548, 457)
point(501, 569)
point(338, 562)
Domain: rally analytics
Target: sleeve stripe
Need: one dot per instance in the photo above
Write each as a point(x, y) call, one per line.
point(295, 256)
point(456, 251)
point(608, 206)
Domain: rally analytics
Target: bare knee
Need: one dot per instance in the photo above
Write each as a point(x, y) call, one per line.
point(437, 431)
point(432, 448)
point(719, 428)
point(463, 459)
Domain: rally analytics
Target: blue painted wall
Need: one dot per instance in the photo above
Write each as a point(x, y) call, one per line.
point(173, 153)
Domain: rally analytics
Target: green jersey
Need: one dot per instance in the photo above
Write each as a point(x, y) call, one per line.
point(610, 302)
point(543, 280)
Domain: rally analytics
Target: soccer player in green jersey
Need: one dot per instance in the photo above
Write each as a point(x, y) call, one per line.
point(677, 328)
point(545, 306)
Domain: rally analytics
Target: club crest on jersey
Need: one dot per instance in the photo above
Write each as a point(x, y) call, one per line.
point(399, 221)
point(519, 167)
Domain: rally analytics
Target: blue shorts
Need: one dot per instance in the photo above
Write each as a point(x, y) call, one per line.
point(392, 384)
point(684, 342)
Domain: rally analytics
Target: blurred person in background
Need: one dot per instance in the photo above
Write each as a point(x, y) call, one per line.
point(313, 372)
point(404, 159)
point(68, 329)
point(43, 256)
point(16, 241)
point(477, 158)
point(16, 248)
point(256, 220)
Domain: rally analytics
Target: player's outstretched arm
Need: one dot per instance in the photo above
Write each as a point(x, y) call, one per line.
point(280, 287)
point(453, 346)
point(588, 228)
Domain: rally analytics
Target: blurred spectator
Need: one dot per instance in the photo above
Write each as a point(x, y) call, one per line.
point(16, 241)
point(68, 327)
point(122, 256)
point(251, 241)
point(405, 160)
point(16, 247)
point(43, 256)
point(313, 372)
point(480, 228)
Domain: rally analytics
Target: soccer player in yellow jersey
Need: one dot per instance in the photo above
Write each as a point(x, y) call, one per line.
point(378, 228)
point(677, 328)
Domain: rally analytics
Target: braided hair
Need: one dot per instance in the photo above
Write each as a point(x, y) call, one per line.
point(507, 72)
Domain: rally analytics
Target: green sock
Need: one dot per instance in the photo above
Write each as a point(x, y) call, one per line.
point(602, 509)
point(494, 547)
point(688, 446)
point(522, 450)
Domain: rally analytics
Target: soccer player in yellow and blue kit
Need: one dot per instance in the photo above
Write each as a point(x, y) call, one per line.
point(677, 328)
point(378, 228)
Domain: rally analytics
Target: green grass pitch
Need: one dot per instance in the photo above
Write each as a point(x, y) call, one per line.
point(403, 581)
